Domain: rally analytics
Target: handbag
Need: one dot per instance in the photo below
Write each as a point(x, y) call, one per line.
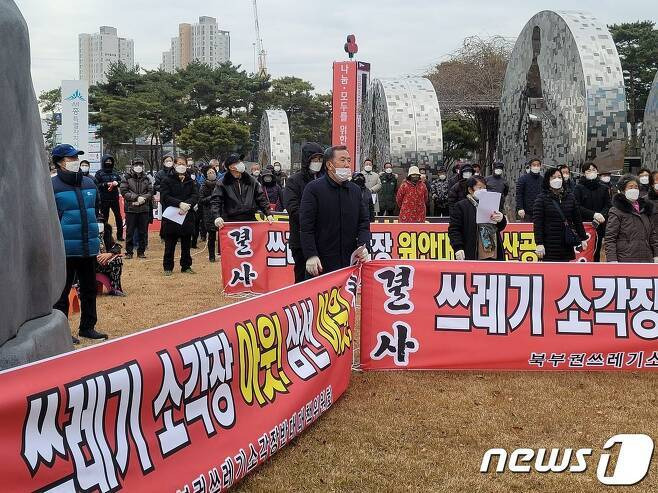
point(571, 238)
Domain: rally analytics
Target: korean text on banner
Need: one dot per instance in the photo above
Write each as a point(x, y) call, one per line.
point(193, 405)
point(509, 316)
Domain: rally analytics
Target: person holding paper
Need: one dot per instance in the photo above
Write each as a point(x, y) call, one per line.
point(471, 240)
point(178, 190)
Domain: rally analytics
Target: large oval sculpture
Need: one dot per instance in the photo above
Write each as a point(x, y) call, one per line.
point(274, 141)
point(401, 122)
point(563, 97)
point(650, 128)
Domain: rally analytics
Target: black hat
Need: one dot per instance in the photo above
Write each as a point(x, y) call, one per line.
point(499, 165)
point(232, 159)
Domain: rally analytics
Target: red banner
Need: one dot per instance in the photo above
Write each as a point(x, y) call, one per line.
point(194, 405)
point(256, 258)
point(343, 129)
point(508, 316)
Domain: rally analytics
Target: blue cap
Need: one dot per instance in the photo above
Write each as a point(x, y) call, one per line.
point(65, 150)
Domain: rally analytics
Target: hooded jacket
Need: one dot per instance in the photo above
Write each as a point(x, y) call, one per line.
point(273, 192)
point(294, 189)
point(134, 186)
point(105, 176)
point(630, 236)
point(238, 199)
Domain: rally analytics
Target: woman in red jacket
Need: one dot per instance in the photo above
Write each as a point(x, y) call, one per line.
point(412, 198)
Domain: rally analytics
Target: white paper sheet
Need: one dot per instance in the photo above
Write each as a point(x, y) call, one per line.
point(489, 202)
point(173, 214)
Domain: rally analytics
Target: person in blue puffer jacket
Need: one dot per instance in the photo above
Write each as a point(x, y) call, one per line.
point(76, 197)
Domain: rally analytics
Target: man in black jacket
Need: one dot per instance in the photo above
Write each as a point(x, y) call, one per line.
point(108, 185)
point(459, 190)
point(237, 196)
point(333, 217)
point(528, 188)
point(292, 196)
point(593, 198)
point(137, 191)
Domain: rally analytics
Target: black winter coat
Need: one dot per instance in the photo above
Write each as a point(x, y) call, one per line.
point(333, 221)
point(592, 197)
point(173, 191)
point(292, 198)
point(161, 175)
point(528, 188)
point(104, 177)
point(205, 193)
point(463, 230)
point(457, 193)
point(549, 227)
point(132, 187)
point(238, 200)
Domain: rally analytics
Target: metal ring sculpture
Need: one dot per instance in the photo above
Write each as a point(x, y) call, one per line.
point(274, 142)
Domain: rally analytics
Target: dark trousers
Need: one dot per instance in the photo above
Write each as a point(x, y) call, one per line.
point(212, 238)
point(300, 264)
point(170, 250)
point(136, 224)
point(84, 269)
point(114, 206)
point(387, 212)
point(600, 234)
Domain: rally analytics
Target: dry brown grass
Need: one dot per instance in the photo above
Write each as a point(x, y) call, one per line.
point(415, 431)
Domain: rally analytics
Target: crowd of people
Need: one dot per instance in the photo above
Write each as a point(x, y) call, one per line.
point(330, 209)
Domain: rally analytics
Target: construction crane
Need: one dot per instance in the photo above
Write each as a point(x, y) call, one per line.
point(262, 66)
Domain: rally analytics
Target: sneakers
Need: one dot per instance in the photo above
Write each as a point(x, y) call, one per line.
point(168, 273)
point(92, 334)
point(141, 255)
point(128, 256)
point(188, 271)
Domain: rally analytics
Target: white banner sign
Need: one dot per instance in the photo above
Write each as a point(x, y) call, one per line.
point(75, 114)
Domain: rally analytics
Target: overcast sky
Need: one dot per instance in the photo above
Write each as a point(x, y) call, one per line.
point(301, 37)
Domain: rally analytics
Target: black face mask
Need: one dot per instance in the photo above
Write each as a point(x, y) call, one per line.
point(267, 181)
point(415, 179)
point(359, 181)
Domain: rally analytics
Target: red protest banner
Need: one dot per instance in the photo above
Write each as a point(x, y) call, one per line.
point(256, 257)
point(508, 316)
point(343, 128)
point(194, 405)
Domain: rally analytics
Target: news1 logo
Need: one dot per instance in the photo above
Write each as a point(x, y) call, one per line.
point(632, 465)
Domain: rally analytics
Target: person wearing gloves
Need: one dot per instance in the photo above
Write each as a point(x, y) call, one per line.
point(412, 197)
point(178, 190)
point(238, 196)
point(359, 179)
point(557, 222)
point(644, 177)
point(439, 193)
point(459, 190)
point(333, 217)
point(137, 191)
point(108, 185)
point(373, 183)
point(528, 188)
point(388, 190)
point(272, 190)
point(312, 167)
point(497, 183)
point(630, 235)
point(593, 198)
point(208, 187)
point(470, 240)
point(76, 198)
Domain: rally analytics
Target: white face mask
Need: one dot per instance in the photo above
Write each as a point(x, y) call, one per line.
point(644, 180)
point(368, 168)
point(168, 164)
point(84, 169)
point(138, 169)
point(566, 177)
point(556, 183)
point(442, 177)
point(632, 194)
point(72, 166)
point(388, 170)
point(315, 166)
point(535, 169)
point(181, 169)
point(605, 179)
point(498, 172)
point(240, 167)
point(277, 168)
point(212, 176)
point(193, 176)
point(477, 193)
point(467, 175)
point(591, 175)
point(343, 174)
point(256, 172)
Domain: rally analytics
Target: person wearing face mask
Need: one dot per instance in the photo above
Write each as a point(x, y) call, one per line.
point(470, 240)
point(333, 217)
point(312, 168)
point(497, 183)
point(644, 177)
point(412, 197)
point(205, 210)
point(137, 191)
point(439, 193)
point(653, 197)
point(476, 169)
point(84, 169)
point(77, 201)
point(373, 183)
point(167, 169)
point(108, 185)
point(238, 196)
point(631, 235)
point(279, 175)
point(528, 188)
point(359, 180)
point(272, 191)
point(199, 225)
point(593, 198)
point(388, 190)
point(255, 171)
point(566, 177)
point(178, 190)
point(459, 190)
point(557, 221)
